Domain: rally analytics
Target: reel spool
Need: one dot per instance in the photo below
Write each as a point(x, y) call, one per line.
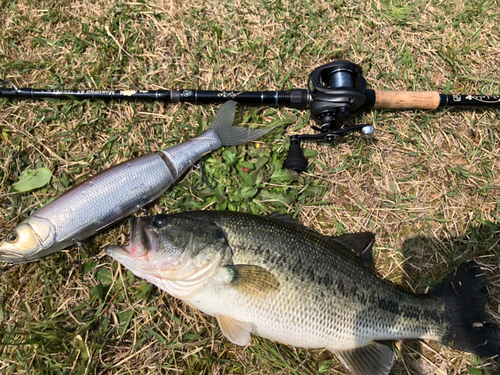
point(336, 90)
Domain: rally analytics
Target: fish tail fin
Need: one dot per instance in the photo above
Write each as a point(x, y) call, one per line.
point(233, 135)
point(465, 295)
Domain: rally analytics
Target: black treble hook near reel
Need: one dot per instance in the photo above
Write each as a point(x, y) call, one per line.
point(336, 90)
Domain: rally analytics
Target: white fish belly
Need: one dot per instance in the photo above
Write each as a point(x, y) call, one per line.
point(283, 316)
point(297, 316)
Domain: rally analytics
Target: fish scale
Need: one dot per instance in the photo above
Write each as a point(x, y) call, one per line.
point(102, 198)
point(280, 281)
point(306, 252)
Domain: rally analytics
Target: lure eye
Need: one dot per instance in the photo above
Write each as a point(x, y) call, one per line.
point(159, 221)
point(12, 237)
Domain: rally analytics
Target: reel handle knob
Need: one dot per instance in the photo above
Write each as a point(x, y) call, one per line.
point(368, 130)
point(295, 159)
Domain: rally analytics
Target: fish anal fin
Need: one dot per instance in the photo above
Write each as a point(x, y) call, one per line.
point(360, 243)
point(252, 279)
point(371, 359)
point(237, 332)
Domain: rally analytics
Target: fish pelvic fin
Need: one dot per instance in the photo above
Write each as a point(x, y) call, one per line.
point(235, 331)
point(233, 135)
point(371, 359)
point(246, 278)
point(464, 294)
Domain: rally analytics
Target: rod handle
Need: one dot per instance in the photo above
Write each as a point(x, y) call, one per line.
point(406, 99)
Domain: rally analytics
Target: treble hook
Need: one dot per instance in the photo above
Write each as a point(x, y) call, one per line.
point(203, 181)
point(80, 245)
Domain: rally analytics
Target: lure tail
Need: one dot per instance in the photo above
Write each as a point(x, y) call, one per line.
point(233, 135)
point(465, 295)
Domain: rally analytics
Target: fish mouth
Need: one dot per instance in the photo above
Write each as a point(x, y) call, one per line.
point(142, 241)
point(12, 257)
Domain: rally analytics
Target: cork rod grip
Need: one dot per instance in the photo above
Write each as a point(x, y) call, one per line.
point(406, 100)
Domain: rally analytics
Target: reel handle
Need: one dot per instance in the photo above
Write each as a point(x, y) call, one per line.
point(295, 159)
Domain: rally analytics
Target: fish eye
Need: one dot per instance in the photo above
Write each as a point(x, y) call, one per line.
point(12, 237)
point(159, 221)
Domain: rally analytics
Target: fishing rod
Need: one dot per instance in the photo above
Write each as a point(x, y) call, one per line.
point(333, 92)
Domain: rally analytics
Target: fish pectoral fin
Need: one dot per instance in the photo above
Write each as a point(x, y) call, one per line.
point(251, 279)
point(237, 332)
point(371, 359)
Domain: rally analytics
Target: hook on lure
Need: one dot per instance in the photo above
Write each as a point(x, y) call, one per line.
point(203, 180)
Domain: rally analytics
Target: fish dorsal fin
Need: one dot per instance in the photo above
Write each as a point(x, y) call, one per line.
point(285, 218)
point(372, 359)
point(360, 243)
point(247, 278)
point(237, 332)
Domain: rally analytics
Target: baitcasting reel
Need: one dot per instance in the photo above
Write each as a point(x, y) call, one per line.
point(335, 91)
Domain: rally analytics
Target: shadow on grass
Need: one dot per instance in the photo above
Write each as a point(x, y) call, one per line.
point(429, 260)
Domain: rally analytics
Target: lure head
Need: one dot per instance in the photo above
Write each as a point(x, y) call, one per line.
point(20, 244)
point(28, 241)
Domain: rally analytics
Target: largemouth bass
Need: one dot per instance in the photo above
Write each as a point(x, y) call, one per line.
point(117, 192)
point(274, 279)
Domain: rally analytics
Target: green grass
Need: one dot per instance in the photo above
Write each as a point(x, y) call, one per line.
point(427, 184)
